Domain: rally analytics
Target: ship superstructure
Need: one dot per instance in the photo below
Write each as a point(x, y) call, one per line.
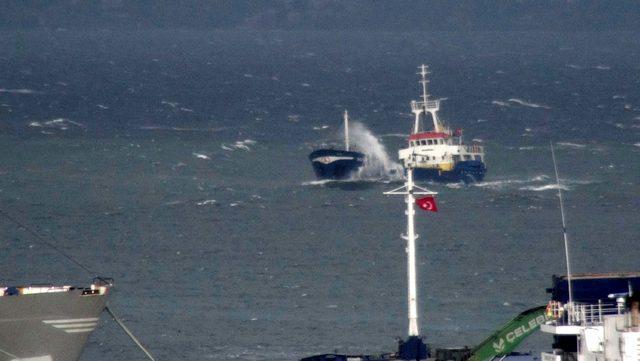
point(439, 153)
point(601, 323)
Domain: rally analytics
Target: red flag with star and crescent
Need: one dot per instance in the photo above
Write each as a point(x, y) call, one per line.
point(427, 203)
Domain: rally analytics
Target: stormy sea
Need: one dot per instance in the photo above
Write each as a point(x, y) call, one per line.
point(176, 163)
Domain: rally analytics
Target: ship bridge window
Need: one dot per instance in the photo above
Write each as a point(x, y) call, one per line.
point(467, 157)
point(439, 141)
point(430, 142)
point(423, 142)
point(412, 143)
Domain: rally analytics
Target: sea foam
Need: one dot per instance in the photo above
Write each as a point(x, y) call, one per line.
point(378, 164)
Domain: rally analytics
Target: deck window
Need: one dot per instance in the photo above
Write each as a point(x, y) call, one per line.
point(423, 142)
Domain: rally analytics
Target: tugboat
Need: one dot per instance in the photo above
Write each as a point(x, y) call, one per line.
point(335, 163)
point(439, 153)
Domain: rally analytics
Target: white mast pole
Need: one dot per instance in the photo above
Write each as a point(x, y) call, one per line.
point(346, 130)
point(411, 257)
point(424, 71)
point(564, 230)
point(409, 190)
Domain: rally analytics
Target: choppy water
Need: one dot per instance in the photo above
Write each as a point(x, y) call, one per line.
point(175, 162)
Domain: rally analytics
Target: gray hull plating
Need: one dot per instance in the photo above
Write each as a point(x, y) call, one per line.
point(47, 326)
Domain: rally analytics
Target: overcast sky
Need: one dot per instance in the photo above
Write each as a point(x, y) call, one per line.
point(392, 15)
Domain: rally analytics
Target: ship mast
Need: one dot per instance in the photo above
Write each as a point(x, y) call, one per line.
point(346, 130)
point(424, 71)
point(425, 105)
point(409, 190)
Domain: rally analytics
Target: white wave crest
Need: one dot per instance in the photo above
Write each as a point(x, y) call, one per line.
point(512, 183)
point(571, 145)
point(180, 129)
point(536, 183)
point(500, 103)
point(201, 156)
point(18, 91)
point(319, 182)
point(545, 187)
point(171, 104)
point(58, 123)
point(239, 145)
point(528, 104)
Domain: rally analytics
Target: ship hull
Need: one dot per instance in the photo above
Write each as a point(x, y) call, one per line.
point(335, 164)
point(48, 326)
point(464, 171)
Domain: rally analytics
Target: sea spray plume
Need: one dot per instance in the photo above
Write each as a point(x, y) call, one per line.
point(378, 164)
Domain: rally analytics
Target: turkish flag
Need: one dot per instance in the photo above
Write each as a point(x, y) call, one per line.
point(427, 203)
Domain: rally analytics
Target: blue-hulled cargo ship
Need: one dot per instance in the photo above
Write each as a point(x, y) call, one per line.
point(337, 163)
point(439, 154)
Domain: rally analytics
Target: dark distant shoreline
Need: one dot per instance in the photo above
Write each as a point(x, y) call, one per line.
point(351, 15)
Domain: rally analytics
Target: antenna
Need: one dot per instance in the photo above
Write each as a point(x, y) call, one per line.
point(409, 190)
point(424, 71)
point(564, 227)
point(346, 130)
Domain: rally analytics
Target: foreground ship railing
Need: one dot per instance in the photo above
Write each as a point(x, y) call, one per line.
point(582, 314)
point(99, 286)
point(604, 331)
point(473, 148)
